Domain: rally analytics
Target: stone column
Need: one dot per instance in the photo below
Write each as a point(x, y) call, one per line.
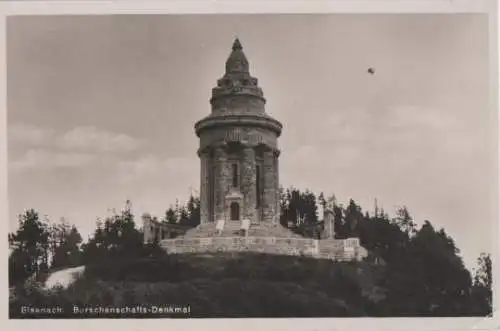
point(269, 198)
point(220, 182)
point(329, 231)
point(148, 230)
point(204, 186)
point(277, 185)
point(248, 184)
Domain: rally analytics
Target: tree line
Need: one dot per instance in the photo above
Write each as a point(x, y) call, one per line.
point(40, 245)
point(424, 272)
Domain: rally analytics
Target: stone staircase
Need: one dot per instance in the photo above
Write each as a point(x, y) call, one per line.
point(201, 231)
point(232, 229)
point(271, 230)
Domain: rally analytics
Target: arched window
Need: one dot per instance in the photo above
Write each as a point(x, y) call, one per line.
point(235, 175)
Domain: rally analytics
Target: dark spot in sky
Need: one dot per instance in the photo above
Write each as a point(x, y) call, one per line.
point(371, 71)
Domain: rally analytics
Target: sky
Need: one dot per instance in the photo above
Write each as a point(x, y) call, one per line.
point(101, 109)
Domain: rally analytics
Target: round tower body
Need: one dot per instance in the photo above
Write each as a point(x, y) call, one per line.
point(238, 149)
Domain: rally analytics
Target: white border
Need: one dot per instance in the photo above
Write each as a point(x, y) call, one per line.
point(8, 8)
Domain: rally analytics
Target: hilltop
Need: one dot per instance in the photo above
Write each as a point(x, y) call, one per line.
point(410, 270)
point(226, 285)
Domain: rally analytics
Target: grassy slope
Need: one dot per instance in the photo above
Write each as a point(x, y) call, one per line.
point(230, 285)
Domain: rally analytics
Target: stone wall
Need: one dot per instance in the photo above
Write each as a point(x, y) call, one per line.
point(341, 250)
point(345, 249)
point(157, 231)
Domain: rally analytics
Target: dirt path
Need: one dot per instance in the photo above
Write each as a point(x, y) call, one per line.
point(64, 277)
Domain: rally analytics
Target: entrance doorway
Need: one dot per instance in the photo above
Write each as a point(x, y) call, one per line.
point(235, 211)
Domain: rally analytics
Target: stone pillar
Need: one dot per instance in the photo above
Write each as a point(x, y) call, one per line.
point(220, 182)
point(204, 187)
point(277, 186)
point(269, 196)
point(248, 184)
point(147, 230)
point(329, 219)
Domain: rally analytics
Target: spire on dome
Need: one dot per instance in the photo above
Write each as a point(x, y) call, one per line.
point(237, 61)
point(237, 44)
point(237, 81)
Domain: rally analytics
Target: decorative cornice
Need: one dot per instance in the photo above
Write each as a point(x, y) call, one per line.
point(214, 121)
point(223, 92)
point(224, 146)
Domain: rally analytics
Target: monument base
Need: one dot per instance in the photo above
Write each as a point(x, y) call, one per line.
point(262, 238)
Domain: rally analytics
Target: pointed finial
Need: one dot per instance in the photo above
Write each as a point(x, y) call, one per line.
point(237, 44)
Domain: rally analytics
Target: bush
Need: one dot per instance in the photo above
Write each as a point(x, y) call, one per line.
point(205, 297)
point(224, 285)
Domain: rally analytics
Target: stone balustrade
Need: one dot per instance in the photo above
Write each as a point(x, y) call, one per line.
point(341, 250)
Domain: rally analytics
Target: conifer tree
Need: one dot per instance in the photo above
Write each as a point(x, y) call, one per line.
point(170, 215)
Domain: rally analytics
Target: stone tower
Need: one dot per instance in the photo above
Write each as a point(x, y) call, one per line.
point(238, 149)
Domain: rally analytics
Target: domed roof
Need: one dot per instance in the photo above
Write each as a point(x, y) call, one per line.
point(237, 80)
point(237, 99)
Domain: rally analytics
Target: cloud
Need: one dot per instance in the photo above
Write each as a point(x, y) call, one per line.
point(398, 132)
point(44, 159)
point(92, 139)
point(29, 134)
point(423, 118)
point(153, 167)
point(33, 147)
point(430, 144)
point(146, 165)
point(83, 138)
point(92, 150)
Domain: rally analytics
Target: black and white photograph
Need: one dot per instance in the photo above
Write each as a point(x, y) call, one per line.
point(265, 165)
